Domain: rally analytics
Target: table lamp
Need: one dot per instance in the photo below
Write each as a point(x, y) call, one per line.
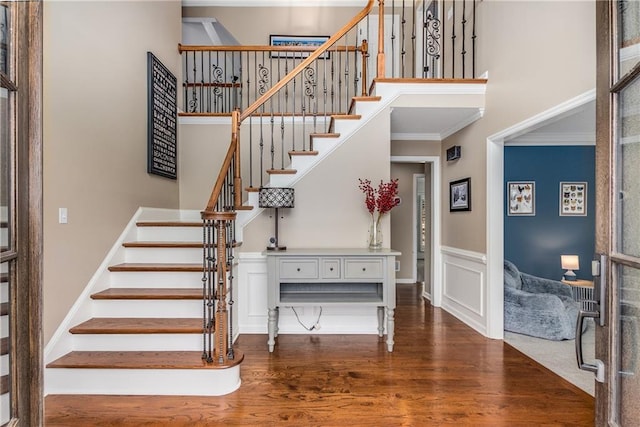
point(277, 198)
point(570, 263)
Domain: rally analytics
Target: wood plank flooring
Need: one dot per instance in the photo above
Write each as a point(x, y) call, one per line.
point(440, 373)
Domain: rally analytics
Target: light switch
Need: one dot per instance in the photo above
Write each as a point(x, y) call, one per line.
point(62, 215)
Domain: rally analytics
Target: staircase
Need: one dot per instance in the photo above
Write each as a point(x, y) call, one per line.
point(144, 333)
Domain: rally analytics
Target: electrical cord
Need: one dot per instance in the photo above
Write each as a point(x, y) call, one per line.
point(315, 327)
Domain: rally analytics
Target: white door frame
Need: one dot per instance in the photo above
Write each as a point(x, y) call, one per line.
point(436, 261)
point(495, 205)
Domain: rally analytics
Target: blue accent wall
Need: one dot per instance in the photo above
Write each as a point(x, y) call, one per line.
point(534, 243)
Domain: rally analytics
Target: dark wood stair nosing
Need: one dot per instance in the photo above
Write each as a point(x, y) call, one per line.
point(140, 360)
point(148, 294)
point(138, 326)
point(169, 224)
point(156, 267)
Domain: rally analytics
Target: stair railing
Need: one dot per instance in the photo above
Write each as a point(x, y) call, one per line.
point(293, 94)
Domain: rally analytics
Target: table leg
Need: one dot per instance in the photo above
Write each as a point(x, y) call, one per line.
point(271, 326)
point(380, 321)
point(390, 327)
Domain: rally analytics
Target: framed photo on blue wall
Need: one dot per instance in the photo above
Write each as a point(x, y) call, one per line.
point(573, 199)
point(521, 198)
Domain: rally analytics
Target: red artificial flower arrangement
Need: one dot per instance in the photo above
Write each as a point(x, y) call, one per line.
point(382, 199)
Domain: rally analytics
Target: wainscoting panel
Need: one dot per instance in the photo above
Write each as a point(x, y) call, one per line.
point(464, 276)
point(252, 293)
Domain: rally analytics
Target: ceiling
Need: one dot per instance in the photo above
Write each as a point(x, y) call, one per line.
point(576, 127)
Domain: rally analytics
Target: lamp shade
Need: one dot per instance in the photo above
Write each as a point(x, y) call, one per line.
point(570, 262)
point(275, 197)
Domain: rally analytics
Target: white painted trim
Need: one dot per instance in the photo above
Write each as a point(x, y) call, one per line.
point(274, 3)
point(405, 281)
point(398, 136)
point(630, 52)
point(436, 257)
point(465, 254)
point(462, 124)
point(495, 204)
point(416, 227)
point(553, 139)
point(459, 296)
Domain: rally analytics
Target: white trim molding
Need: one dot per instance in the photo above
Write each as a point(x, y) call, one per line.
point(464, 286)
point(495, 203)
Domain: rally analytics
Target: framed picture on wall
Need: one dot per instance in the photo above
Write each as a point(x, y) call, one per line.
point(460, 195)
point(573, 199)
point(522, 198)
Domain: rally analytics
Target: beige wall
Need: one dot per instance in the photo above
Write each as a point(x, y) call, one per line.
point(249, 24)
point(95, 133)
point(538, 54)
point(330, 210)
point(415, 148)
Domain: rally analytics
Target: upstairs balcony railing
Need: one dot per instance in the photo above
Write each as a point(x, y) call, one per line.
point(284, 96)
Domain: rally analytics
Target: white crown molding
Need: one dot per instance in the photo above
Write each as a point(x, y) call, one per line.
point(462, 124)
point(553, 138)
point(415, 137)
point(274, 3)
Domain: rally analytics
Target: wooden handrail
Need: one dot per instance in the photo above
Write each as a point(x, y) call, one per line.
point(199, 48)
point(238, 117)
point(304, 64)
point(226, 164)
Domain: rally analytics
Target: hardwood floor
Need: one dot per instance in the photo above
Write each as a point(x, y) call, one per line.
point(440, 373)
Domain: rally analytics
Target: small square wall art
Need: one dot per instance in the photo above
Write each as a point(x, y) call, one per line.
point(522, 200)
point(573, 199)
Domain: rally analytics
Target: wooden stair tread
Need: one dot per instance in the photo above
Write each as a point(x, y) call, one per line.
point(243, 208)
point(140, 267)
point(4, 384)
point(4, 277)
point(252, 189)
point(4, 309)
point(325, 135)
point(282, 171)
point(346, 117)
point(372, 98)
point(149, 294)
point(152, 244)
point(139, 360)
point(169, 223)
point(135, 325)
point(4, 346)
point(303, 153)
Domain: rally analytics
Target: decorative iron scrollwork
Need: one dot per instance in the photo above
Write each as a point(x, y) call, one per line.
point(432, 31)
point(263, 82)
point(310, 82)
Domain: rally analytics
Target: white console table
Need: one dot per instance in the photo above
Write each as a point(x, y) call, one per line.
point(321, 277)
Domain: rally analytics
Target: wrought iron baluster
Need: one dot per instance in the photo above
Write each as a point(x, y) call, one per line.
point(393, 37)
point(473, 42)
point(263, 81)
point(347, 68)
point(453, 41)
point(403, 51)
point(413, 38)
point(315, 106)
point(193, 106)
point(231, 240)
point(464, 24)
point(432, 43)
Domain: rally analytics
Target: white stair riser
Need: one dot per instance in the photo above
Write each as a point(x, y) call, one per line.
point(364, 108)
point(345, 126)
point(4, 292)
point(281, 180)
point(164, 255)
point(4, 364)
point(137, 342)
point(147, 308)
point(161, 279)
point(322, 145)
point(170, 234)
point(186, 382)
point(302, 162)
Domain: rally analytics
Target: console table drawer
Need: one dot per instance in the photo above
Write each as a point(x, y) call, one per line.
point(305, 268)
point(363, 268)
point(330, 268)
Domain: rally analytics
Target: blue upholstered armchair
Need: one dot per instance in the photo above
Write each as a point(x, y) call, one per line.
point(538, 307)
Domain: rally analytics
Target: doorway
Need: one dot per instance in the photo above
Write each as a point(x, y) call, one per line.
point(528, 132)
point(411, 168)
